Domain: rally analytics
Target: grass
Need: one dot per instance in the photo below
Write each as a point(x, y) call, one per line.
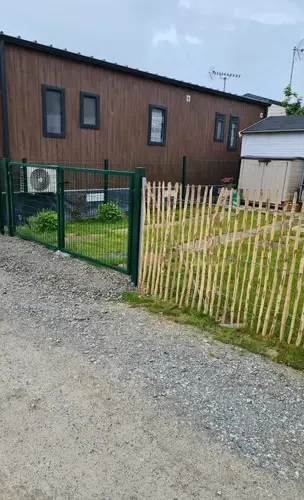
point(107, 242)
point(280, 353)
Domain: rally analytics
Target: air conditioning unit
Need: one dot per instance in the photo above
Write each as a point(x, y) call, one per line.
point(41, 180)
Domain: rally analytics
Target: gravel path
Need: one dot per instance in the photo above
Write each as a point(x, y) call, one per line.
point(99, 400)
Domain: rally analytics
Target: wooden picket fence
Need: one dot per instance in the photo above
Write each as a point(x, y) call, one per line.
point(240, 261)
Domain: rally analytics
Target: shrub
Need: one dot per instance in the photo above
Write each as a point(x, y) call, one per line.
point(109, 212)
point(77, 206)
point(43, 221)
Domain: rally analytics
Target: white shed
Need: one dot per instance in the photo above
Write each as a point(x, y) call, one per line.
point(272, 157)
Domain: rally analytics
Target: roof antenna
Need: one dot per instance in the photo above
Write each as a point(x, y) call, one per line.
point(298, 55)
point(223, 76)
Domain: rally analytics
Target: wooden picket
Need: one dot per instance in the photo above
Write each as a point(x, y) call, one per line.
point(236, 259)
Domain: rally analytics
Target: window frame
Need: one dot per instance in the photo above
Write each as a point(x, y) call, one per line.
point(152, 107)
point(61, 91)
point(233, 120)
point(219, 117)
point(96, 97)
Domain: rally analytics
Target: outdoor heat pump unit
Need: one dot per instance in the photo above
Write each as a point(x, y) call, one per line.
point(41, 180)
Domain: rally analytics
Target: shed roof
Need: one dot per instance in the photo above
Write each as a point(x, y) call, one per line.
point(125, 69)
point(263, 99)
point(293, 123)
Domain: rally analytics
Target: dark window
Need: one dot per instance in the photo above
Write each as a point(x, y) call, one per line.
point(53, 111)
point(219, 131)
point(233, 133)
point(89, 110)
point(157, 126)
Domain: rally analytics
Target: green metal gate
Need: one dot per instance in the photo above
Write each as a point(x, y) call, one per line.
point(89, 213)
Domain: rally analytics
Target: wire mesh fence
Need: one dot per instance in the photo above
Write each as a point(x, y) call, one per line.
point(89, 213)
point(238, 261)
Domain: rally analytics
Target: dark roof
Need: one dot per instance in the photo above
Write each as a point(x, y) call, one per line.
point(263, 99)
point(124, 69)
point(293, 123)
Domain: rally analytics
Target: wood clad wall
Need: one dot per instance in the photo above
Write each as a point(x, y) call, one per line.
point(124, 114)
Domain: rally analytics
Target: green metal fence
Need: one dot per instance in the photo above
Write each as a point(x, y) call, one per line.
point(89, 213)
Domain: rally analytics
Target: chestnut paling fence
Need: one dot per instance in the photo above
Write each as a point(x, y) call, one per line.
point(240, 261)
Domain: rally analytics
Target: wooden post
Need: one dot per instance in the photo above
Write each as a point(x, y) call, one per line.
point(275, 275)
point(146, 244)
point(152, 230)
point(261, 261)
point(224, 258)
point(198, 201)
point(168, 277)
point(181, 252)
point(230, 264)
point(205, 253)
point(247, 261)
point(201, 241)
point(291, 277)
point(254, 259)
point(189, 238)
point(166, 236)
point(157, 237)
point(222, 198)
point(177, 244)
point(239, 256)
point(268, 262)
point(162, 237)
point(284, 272)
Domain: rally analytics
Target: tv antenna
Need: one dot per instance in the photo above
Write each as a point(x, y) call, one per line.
point(223, 76)
point(297, 55)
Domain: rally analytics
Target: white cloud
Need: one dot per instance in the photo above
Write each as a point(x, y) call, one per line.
point(170, 36)
point(288, 15)
point(185, 3)
point(194, 40)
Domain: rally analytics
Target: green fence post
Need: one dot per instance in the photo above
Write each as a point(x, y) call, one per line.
point(106, 182)
point(184, 176)
point(2, 191)
point(9, 198)
point(60, 208)
point(139, 175)
point(130, 225)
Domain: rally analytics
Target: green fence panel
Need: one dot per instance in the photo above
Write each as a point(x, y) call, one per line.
point(89, 213)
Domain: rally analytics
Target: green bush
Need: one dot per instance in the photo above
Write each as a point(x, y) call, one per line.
point(43, 222)
point(109, 212)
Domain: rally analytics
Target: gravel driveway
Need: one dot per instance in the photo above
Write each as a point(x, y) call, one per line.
point(102, 401)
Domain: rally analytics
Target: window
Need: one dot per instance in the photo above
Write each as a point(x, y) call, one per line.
point(219, 131)
point(53, 111)
point(89, 110)
point(233, 133)
point(157, 126)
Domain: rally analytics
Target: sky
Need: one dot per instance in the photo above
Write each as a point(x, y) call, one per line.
point(181, 39)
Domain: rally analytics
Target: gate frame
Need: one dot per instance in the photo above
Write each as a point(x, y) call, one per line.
point(134, 216)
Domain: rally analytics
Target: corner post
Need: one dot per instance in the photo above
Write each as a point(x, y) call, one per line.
point(139, 175)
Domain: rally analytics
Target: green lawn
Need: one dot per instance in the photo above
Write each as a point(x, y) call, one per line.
point(107, 242)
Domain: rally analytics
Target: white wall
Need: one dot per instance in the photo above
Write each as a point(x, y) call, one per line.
point(275, 110)
point(273, 145)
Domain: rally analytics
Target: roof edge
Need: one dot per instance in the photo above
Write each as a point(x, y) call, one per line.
point(126, 69)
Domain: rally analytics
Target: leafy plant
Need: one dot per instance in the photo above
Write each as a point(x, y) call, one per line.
point(77, 205)
point(292, 102)
point(109, 212)
point(43, 221)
